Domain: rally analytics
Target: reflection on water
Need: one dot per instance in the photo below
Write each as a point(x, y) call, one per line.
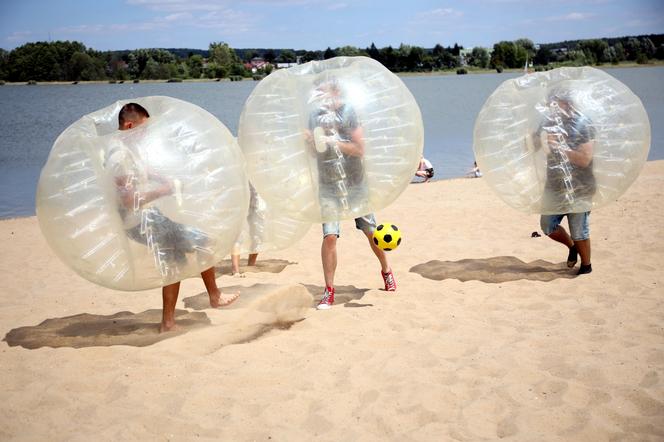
point(31, 118)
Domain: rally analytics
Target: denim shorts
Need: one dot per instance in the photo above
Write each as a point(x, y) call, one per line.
point(579, 224)
point(366, 223)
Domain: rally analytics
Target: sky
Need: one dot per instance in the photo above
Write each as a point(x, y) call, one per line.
point(318, 24)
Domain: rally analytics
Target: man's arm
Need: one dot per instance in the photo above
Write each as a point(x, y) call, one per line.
point(582, 155)
point(355, 146)
point(133, 199)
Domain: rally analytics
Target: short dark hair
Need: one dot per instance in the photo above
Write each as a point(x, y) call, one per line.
point(132, 112)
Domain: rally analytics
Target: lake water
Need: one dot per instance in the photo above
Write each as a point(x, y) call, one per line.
point(32, 117)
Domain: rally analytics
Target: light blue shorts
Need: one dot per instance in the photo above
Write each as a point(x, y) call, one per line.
point(579, 224)
point(366, 223)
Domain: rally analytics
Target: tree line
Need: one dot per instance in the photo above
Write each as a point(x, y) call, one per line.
point(72, 61)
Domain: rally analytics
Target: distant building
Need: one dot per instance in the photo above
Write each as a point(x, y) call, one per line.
point(298, 60)
point(463, 56)
point(256, 64)
point(285, 65)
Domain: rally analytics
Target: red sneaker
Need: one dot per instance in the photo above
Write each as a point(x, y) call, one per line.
point(327, 300)
point(390, 282)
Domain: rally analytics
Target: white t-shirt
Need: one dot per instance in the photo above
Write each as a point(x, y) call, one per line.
point(425, 164)
point(123, 164)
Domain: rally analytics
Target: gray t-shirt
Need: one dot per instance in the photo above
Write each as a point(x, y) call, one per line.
point(577, 130)
point(340, 175)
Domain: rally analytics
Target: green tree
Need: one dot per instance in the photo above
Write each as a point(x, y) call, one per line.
point(32, 61)
point(250, 55)
point(329, 53)
point(503, 53)
point(619, 51)
point(151, 71)
point(648, 48)
point(138, 60)
point(287, 56)
point(82, 67)
point(528, 46)
point(632, 48)
point(507, 54)
point(224, 57)
point(373, 52)
point(543, 56)
point(195, 65)
point(239, 69)
point(213, 70)
point(312, 55)
point(269, 56)
point(349, 51)
point(4, 57)
point(416, 58)
point(438, 56)
point(402, 57)
point(479, 57)
point(389, 58)
point(659, 53)
point(594, 50)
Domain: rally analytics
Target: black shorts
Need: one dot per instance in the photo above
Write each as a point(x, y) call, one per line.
point(172, 241)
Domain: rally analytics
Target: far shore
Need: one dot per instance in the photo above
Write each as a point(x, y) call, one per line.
point(469, 71)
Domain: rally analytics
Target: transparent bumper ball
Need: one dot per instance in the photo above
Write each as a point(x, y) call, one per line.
point(567, 140)
point(148, 206)
point(267, 229)
point(331, 140)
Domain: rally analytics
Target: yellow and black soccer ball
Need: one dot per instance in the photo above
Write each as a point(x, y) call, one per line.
point(387, 236)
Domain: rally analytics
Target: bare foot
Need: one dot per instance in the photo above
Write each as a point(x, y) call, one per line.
point(238, 275)
point(228, 298)
point(219, 299)
point(167, 327)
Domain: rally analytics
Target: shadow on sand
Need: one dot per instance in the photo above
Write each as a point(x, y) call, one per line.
point(265, 265)
point(87, 330)
point(493, 270)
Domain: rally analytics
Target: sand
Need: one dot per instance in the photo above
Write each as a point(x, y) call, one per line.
point(488, 337)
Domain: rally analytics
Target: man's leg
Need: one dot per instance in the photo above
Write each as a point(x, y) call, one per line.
point(217, 299)
point(551, 227)
point(328, 254)
point(367, 224)
point(235, 264)
point(169, 296)
point(380, 253)
point(579, 226)
point(251, 261)
point(583, 247)
point(561, 235)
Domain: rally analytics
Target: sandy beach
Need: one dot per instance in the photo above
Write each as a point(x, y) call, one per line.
point(489, 336)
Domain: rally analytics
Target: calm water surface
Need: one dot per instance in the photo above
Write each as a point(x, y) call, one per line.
point(32, 117)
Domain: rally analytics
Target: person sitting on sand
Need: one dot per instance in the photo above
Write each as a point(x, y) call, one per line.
point(474, 172)
point(146, 224)
point(424, 170)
